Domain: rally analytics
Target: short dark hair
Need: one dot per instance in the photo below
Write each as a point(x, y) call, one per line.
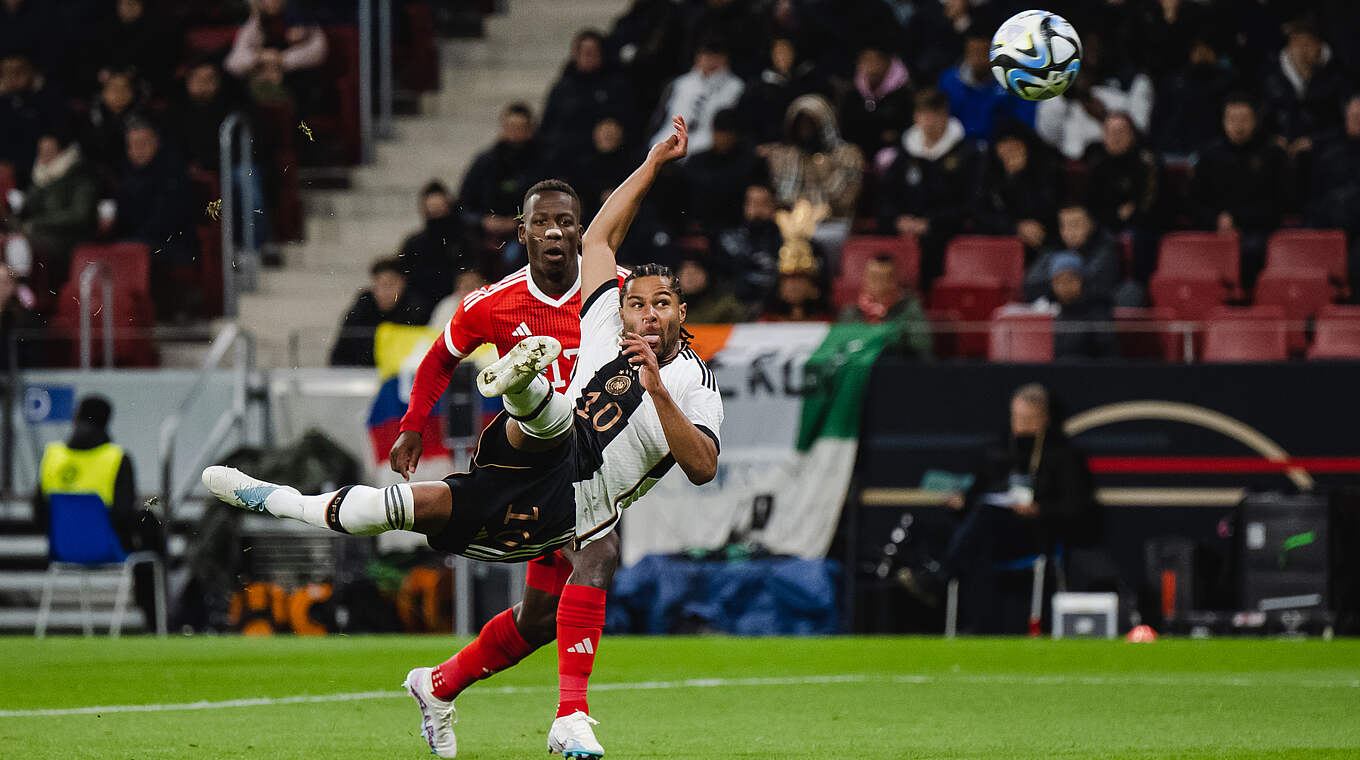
point(711, 43)
point(518, 108)
point(387, 264)
point(931, 99)
point(95, 410)
point(727, 120)
point(653, 270)
point(433, 187)
point(550, 186)
point(1241, 98)
point(883, 257)
point(588, 33)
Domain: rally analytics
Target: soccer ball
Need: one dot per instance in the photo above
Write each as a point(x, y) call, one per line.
point(1036, 55)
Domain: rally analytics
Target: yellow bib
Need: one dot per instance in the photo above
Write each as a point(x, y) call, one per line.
point(80, 471)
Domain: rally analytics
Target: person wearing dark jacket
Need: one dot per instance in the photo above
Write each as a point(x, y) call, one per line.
point(27, 108)
point(1075, 331)
point(494, 184)
point(1020, 191)
point(875, 112)
point(385, 300)
point(767, 97)
point(1186, 115)
point(1302, 90)
point(1097, 250)
point(58, 208)
point(602, 166)
point(1123, 189)
point(1240, 184)
point(430, 256)
point(749, 252)
point(138, 38)
point(89, 461)
point(203, 105)
point(1334, 196)
point(1030, 493)
point(716, 179)
point(588, 90)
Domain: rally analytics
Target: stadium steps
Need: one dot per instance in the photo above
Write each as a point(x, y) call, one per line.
point(519, 58)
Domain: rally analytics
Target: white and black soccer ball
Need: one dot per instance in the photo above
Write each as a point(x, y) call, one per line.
point(1036, 55)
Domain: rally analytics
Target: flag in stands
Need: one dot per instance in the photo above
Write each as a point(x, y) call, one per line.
point(397, 350)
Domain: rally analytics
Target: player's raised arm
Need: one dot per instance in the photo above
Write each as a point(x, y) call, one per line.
point(606, 232)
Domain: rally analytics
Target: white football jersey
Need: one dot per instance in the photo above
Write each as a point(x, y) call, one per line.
point(621, 448)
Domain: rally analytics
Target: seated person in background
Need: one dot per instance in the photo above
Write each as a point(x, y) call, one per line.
point(1073, 335)
point(813, 163)
point(465, 282)
point(134, 37)
point(588, 90)
point(801, 293)
point(105, 136)
point(698, 95)
point(1031, 491)
point(1123, 189)
point(766, 99)
point(1241, 184)
point(27, 107)
point(496, 180)
point(385, 300)
point(716, 179)
point(1098, 251)
point(707, 302)
point(280, 50)
point(1334, 190)
point(156, 208)
point(1020, 191)
point(976, 99)
point(929, 181)
point(1301, 92)
point(1074, 122)
point(430, 255)
point(599, 168)
point(875, 112)
point(750, 251)
point(199, 113)
point(884, 301)
point(1186, 116)
point(58, 209)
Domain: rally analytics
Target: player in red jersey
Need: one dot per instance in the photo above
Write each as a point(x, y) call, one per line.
point(543, 298)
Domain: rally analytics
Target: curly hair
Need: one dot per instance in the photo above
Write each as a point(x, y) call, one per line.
point(666, 273)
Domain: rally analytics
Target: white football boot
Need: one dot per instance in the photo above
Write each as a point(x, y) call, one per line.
point(436, 715)
point(511, 373)
point(572, 736)
point(239, 489)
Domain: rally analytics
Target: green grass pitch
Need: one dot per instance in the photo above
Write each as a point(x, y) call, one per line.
point(695, 698)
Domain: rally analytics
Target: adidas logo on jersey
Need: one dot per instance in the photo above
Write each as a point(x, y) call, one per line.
point(522, 331)
point(583, 647)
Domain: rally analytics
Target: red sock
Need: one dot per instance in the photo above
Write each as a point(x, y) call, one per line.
point(496, 648)
point(580, 621)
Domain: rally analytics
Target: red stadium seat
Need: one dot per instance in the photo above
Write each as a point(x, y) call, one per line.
point(1300, 293)
point(1313, 250)
point(417, 61)
point(132, 313)
point(130, 263)
point(210, 268)
point(944, 341)
point(991, 260)
point(973, 303)
point(1021, 338)
point(1148, 334)
point(861, 249)
point(342, 72)
point(1336, 334)
point(1188, 298)
point(1202, 255)
point(1251, 334)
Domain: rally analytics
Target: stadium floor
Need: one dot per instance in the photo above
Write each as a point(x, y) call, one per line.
point(339, 697)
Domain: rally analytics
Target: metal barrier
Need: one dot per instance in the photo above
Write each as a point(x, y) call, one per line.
point(246, 257)
point(366, 76)
point(87, 275)
point(231, 339)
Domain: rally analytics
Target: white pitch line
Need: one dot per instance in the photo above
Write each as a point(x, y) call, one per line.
point(710, 683)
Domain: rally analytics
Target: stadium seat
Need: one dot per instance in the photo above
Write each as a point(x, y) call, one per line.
point(1312, 250)
point(944, 340)
point(1336, 334)
point(1202, 255)
point(973, 305)
point(417, 57)
point(861, 249)
point(342, 71)
point(1251, 334)
point(1020, 338)
point(210, 268)
point(1148, 334)
point(991, 260)
point(133, 312)
point(1300, 293)
point(1187, 297)
point(129, 262)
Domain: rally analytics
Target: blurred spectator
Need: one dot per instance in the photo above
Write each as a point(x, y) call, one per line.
point(1074, 122)
point(496, 181)
point(813, 163)
point(155, 207)
point(464, 283)
point(1334, 198)
point(647, 41)
point(876, 111)
point(1020, 191)
point(766, 99)
point(16, 319)
point(736, 25)
point(588, 90)
point(750, 251)
point(58, 209)
point(1186, 117)
point(934, 37)
point(27, 108)
point(883, 300)
point(1031, 490)
point(600, 167)
point(106, 136)
point(1097, 250)
point(430, 256)
point(929, 181)
point(385, 300)
point(797, 298)
point(1241, 184)
point(141, 39)
point(1302, 91)
point(202, 107)
point(707, 302)
point(1168, 30)
point(699, 95)
point(1122, 180)
point(717, 178)
point(280, 50)
point(32, 28)
point(976, 99)
point(1081, 327)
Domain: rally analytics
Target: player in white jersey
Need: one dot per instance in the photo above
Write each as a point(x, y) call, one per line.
point(640, 403)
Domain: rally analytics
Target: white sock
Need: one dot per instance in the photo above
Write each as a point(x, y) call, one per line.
point(359, 510)
point(540, 412)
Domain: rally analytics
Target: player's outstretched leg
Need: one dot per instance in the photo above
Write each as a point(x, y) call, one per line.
point(528, 397)
point(437, 716)
point(360, 510)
